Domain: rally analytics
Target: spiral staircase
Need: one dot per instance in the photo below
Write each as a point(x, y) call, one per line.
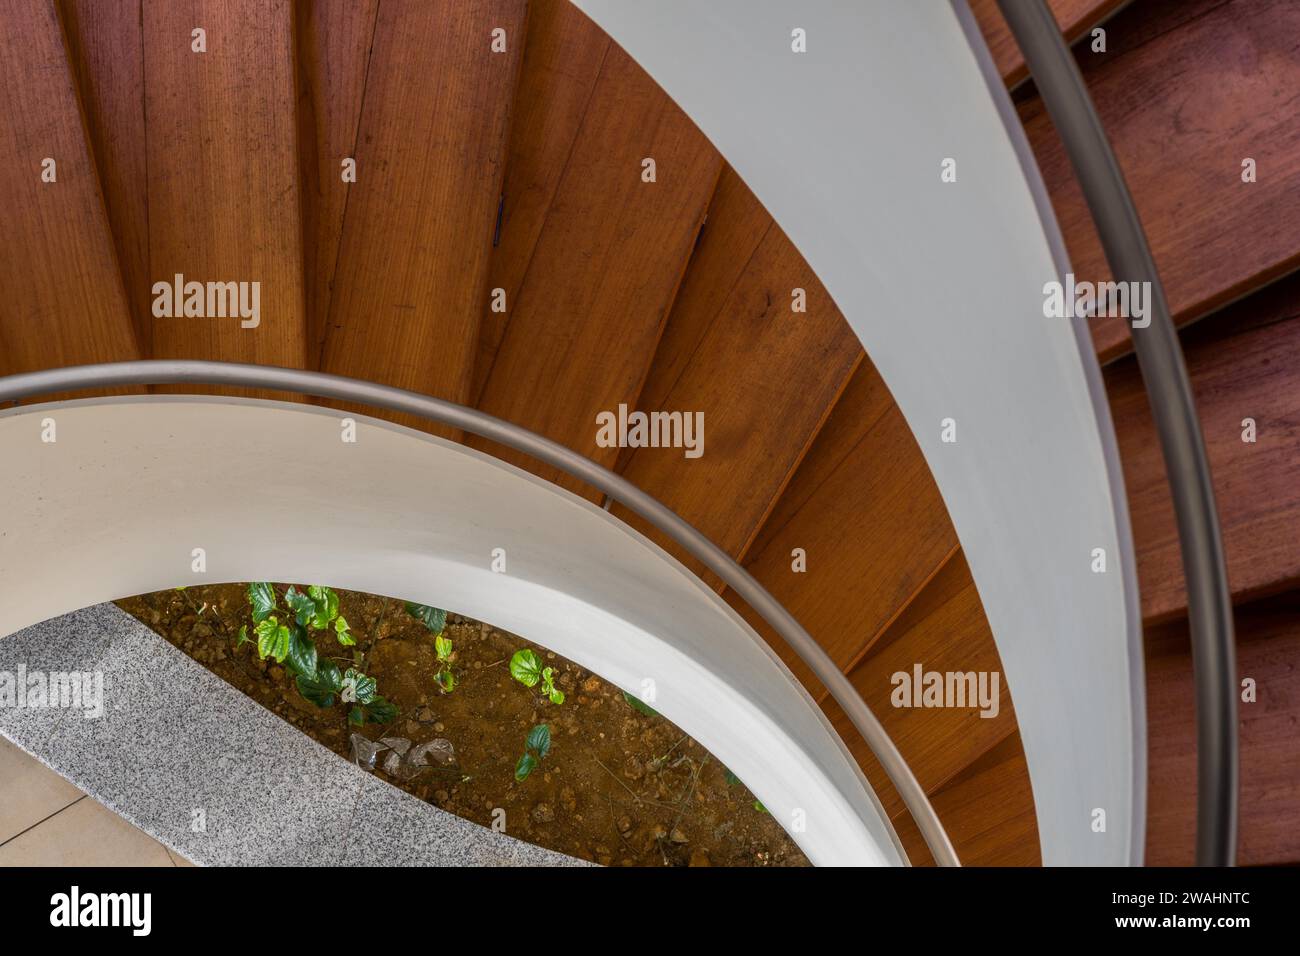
point(501, 247)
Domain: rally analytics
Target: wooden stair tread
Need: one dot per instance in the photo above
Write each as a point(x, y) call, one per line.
point(1268, 646)
point(222, 163)
point(605, 267)
point(750, 354)
point(61, 297)
point(411, 280)
point(1075, 17)
point(1243, 362)
point(1186, 91)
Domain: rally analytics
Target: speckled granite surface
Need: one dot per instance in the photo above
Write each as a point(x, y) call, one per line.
point(176, 747)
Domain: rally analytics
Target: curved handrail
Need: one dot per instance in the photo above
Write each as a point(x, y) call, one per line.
point(323, 385)
point(1209, 601)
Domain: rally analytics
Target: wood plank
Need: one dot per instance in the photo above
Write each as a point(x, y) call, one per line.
point(874, 531)
point(1243, 362)
point(61, 296)
point(763, 378)
point(562, 59)
point(334, 42)
point(106, 48)
point(602, 276)
point(411, 281)
point(223, 173)
point(942, 630)
point(1186, 92)
point(1075, 17)
point(1268, 646)
point(988, 811)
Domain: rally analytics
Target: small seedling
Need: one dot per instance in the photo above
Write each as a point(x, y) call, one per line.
point(536, 746)
point(445, 677)
point(435, 619)
point(526, 667)
point(290, 643)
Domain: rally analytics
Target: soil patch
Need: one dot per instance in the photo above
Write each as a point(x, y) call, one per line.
point(618, 787)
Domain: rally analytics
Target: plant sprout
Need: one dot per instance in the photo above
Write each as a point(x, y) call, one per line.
point(536, 746)
point(526, 667)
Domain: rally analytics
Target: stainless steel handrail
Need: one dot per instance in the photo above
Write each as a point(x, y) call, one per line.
point(322, 385)
point(1209, 600)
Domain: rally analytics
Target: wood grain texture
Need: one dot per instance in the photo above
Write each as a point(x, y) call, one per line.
point(1186, 92)
point(1243, 363)
point(605, 268)
point(411, 281)
point(1268, 647)
point(562, 59)
point(762, 376)
point(106, 48)
point(61, 296)
point(334, 41)
point(874, 530)
point(1075, 17)
point(988, 811)
point(223, 173)
point(943, 630)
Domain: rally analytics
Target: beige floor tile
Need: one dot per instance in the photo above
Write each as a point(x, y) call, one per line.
point(29, 791)
point(84, 834)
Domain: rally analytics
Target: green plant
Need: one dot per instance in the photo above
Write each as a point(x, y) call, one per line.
point(435, 619)
point(637, 704)
point(290, 643)
point(536, 746)
point(526, 667)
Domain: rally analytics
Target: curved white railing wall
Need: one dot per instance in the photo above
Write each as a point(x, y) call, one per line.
point(118, 503)
point(943, 283)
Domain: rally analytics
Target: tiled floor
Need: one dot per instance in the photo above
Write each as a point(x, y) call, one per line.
point(46, 821)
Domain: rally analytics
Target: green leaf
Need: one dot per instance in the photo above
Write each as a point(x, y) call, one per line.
point(446, 680)
point(638, 704)
point(435, 619)
point(243, 636)
point(526, 668)
point(272, 639)
point(732, 779)
point(356, 716)
point(548, 686)
point(342, 632)
point(323, 685)
point(527, 764)
point(759, 807)
point(380, 711)
point(302, 606)
point(362, 688)
point(557, 696)
point(327, 604)
point(443, 646)
point(262, 596)
point(539, 740)
point(302, 653)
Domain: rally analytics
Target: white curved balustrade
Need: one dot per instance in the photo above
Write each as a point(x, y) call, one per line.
point(118, 503)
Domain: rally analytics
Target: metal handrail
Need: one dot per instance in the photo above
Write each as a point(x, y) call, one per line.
point(1159, 355)
point(322, 385)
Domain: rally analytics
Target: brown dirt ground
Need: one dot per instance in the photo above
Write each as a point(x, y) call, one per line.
point(618, 787)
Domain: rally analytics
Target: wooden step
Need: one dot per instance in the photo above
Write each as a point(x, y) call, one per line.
point(604, 268)
point(410, 285)
point(1075, 17)
point(1188, 90)
point(334, 42)
point(1244, 363)
point(562, 58)
point(1268, 646)
point(759, 376)
point(105, 46)
point(222, 173)
point(62, 301)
